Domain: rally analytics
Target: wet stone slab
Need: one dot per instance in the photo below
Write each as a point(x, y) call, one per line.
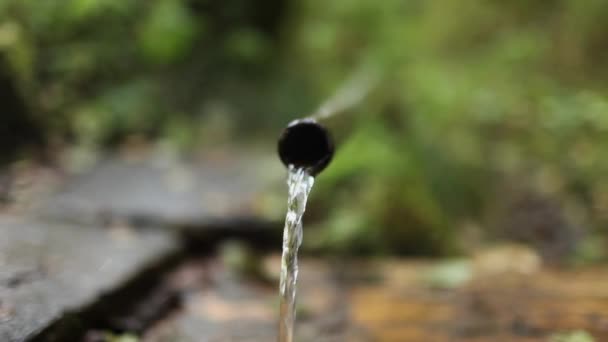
point(48, 270)
point(227, 306)
point(393, 300)
point(162, 191)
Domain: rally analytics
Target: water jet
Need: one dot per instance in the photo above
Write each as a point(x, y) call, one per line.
point(306, 148)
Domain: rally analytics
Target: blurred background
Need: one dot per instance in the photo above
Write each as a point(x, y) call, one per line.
point(467, 200)
point(489, 122)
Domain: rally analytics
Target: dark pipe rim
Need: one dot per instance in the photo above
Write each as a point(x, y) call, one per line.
point(306, 144)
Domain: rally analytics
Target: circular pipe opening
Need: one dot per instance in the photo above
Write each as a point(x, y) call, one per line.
point(306, 144)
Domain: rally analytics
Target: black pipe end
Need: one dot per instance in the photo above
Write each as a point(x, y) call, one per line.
point(306, 144)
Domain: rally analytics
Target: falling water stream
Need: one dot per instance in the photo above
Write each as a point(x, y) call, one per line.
point(299, 183)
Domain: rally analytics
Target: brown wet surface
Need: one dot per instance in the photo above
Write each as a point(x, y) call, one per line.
point(503, 307)
point(391, 301)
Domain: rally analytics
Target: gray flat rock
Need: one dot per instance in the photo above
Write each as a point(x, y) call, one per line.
point(157, 191)
point(233, 308)
point(48, 270)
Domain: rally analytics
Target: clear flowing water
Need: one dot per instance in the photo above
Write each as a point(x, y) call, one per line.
point(299, 183)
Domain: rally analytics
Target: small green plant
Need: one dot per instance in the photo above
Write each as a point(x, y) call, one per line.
point(110, 337)
point(574, 336)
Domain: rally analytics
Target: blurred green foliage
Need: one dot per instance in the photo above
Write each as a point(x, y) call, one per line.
point(95, 71)
point(480, 101)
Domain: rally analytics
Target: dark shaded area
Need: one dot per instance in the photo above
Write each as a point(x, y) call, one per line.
point(267, 16)
point(539, 221)
point(17, 129)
